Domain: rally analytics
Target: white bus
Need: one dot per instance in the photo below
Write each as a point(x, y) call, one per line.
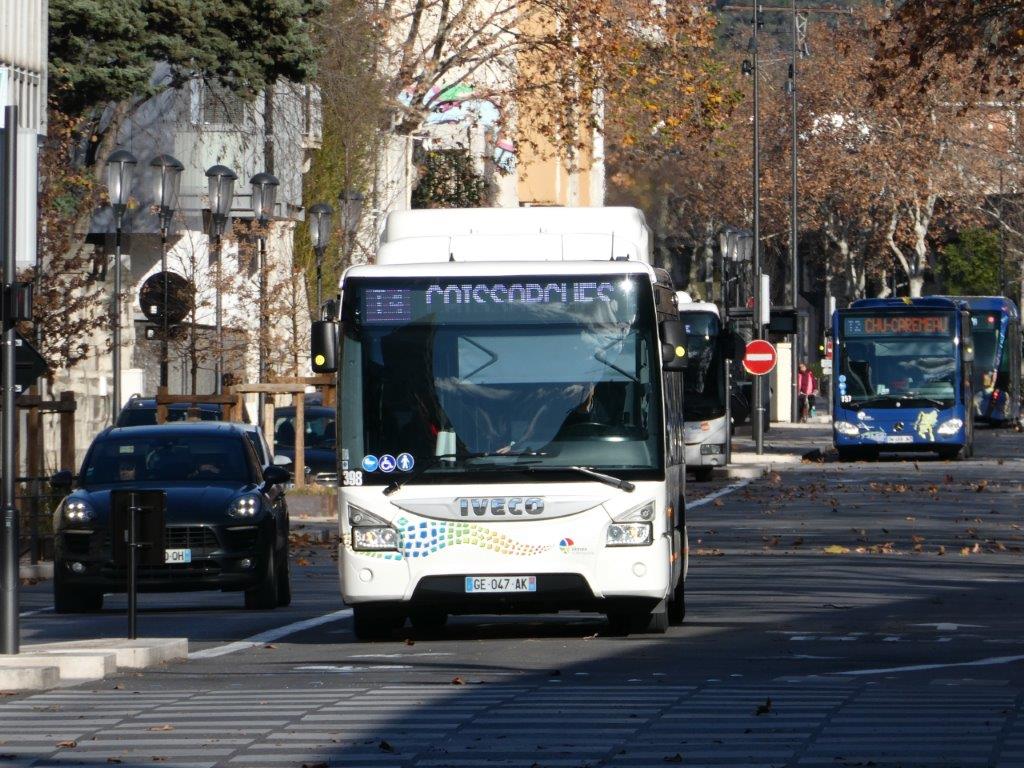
point(510, 426)
point(706, 409)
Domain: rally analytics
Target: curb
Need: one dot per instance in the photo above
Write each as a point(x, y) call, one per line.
point(47, 665)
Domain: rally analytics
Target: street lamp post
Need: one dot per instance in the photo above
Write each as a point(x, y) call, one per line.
point(319, 234)
point(758, 405)
point(264, 197)
point(119, 181)
point(221, 181)
point(350, 203)
point(166, 183)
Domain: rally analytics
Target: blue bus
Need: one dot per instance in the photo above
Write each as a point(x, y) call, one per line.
point(995, 323)
point(903, 378)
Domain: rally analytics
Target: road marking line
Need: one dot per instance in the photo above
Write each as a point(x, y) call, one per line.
point(33, 613)
point(271, 635)
point(992, 661)
point(718, 494)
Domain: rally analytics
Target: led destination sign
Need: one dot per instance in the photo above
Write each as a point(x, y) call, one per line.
point(898, 325)
point(511, 300)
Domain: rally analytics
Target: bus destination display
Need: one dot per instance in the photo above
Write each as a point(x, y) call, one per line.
point(500, 300)
point(899, 325)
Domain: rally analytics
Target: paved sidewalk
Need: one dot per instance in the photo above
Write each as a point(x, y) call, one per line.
point(784, 444)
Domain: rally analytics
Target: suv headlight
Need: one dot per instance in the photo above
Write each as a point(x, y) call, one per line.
point(369, 532)
point(245, 507)
point(950, 427)
point(846, 428)
point(633, 528)
point(78, 511)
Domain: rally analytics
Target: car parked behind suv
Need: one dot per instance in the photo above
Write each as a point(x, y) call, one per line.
point(226, 516)
point(141, 411)
point(319, 435)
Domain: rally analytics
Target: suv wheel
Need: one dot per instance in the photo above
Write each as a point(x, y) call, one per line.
point(264, 595)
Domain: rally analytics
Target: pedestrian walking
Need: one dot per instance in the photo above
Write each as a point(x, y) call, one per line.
point(807, 387)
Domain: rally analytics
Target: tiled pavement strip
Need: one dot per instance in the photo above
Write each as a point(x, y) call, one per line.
point(809, 724)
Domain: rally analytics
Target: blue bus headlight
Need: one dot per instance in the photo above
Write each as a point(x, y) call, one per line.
point(950, 427)
point(846, 428)
point(77, 511)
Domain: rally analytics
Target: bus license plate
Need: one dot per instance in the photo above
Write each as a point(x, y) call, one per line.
point(894, 439)
point(177, 555)
point(501, 583)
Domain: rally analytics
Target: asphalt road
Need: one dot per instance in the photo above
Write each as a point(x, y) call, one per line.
point(838, 615)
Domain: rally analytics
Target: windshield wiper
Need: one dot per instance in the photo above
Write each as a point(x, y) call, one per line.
point(593, 474)
point(898, 399)
point(433, 461)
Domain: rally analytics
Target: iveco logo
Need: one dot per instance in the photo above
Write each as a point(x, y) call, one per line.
point(501, 506)
point(898, 426)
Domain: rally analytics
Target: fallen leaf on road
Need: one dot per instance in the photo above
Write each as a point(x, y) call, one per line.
point(764, 709)
point(113, 760)
point(458, 681)
point(314, 765)
point(164, 727)
point(410, 641)
point(676, 758)
point(942, 550)
point(835, 549)
point(981, 486)
point(774, 478)
point(270, 647)
point(67, 744)
point(713, 552)
point(303, 562)
point(798, 542)
point(718, 503)
point(385, 746)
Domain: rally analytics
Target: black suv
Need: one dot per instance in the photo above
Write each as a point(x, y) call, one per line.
point(226, 517)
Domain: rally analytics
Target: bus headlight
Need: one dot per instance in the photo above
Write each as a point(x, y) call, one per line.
point(629, 535)
point(369, 532)
point(711, 449)
point(950, 427)
point(846, 428)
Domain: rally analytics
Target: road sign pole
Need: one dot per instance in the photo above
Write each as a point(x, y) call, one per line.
point(9, 550)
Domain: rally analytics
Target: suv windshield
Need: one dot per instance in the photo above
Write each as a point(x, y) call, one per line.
point(888, 361)
point(495, 376)
point(705, 375)
point(318, 432)
point(164, 458)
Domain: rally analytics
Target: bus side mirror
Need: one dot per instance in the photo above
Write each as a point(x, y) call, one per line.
point(62, 481)
point(731, 345)
point(323, 335)
point(673, 345)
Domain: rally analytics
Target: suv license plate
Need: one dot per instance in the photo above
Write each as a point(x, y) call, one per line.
point(501, 583)
point(177, 555)
point(899, 439)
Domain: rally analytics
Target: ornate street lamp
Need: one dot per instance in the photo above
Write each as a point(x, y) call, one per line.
point(120, 166)
point(221, 180)
point(264, 196)
point(350, 206)
point(320, 234)
point(166, 183)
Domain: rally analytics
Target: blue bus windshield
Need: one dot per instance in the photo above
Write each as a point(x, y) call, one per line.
point(892, 362)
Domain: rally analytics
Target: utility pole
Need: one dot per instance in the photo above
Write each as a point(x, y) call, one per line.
point(798, 48)
point(758, 409)
point(9, 551)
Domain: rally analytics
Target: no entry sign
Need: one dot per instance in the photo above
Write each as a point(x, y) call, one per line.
point(760, 357)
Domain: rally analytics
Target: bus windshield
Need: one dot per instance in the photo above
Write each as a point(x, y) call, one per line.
point(704, 396)
point(894, 360)
point(991, 353)
point(498, 375)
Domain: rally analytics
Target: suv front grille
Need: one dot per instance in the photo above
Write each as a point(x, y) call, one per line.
point(199, 538)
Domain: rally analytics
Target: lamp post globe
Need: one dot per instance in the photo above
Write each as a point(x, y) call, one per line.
point(120, 166)
point(351, 204)
point(221, 181)
point(264, 195)
point(320, 226)
point(166, 184)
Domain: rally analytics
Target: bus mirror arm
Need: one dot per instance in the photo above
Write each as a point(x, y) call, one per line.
point(323, 337)
point(673, 345)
